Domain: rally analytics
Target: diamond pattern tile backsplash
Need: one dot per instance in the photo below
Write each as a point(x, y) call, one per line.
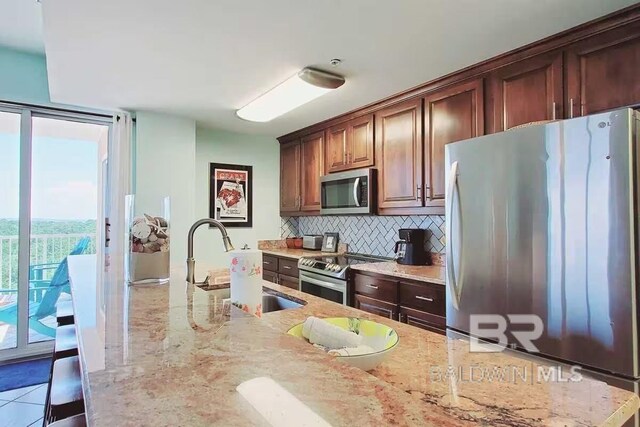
point(375, 235)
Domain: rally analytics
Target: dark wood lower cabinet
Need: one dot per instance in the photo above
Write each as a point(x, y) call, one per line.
point(288, 281)
point(270, 276)
point(423, 320)
point(374, 306)
point(280, 270)
point(415, 303)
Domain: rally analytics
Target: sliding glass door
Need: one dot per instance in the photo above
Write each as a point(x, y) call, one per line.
point(49, 209)
point(9, 215)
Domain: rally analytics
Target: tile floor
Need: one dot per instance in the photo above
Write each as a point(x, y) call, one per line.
point(23, 407)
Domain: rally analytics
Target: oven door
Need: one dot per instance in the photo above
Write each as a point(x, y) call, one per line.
point(347, 193)
point(324, 287)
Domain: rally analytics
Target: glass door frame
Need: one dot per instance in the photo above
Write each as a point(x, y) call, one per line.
point(24, 349)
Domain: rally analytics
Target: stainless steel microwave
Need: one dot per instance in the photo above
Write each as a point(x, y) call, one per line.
point(348, 193)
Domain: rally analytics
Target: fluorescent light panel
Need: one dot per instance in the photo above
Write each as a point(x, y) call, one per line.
point(290, 94)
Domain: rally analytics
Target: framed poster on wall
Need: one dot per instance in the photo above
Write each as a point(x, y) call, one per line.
point(231, 194)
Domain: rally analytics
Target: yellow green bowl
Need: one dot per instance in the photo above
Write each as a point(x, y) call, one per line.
point(381, 338)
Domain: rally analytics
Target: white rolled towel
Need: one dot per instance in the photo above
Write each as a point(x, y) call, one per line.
point(317, 331)
point(353, 351)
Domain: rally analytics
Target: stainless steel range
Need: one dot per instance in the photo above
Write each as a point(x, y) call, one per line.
point(326, 276)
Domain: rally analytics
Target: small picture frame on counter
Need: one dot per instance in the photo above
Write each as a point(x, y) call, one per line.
point(330, 242)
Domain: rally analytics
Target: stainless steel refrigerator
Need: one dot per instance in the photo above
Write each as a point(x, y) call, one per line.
point(543, 220)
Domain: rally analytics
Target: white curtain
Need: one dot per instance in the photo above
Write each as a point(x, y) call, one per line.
point(119, 186)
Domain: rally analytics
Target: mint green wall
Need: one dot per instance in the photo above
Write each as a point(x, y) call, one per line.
point(165, 154)
point(261, 152)
point(23, 77)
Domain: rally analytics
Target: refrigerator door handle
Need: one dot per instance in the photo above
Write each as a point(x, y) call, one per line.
point(455, 285)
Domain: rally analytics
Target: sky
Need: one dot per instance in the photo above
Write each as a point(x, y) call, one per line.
point(64, 178)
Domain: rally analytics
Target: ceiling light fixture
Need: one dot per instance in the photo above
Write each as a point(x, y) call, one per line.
point(306, 85)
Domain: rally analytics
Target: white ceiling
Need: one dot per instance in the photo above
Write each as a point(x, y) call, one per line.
point(206, 58)
point(21, 25)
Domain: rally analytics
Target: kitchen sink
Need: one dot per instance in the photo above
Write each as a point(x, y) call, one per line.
point(271, 300)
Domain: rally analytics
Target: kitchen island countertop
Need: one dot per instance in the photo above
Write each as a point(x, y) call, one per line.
point(172, 356)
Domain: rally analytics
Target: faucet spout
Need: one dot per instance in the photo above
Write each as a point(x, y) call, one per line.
point(191, 262)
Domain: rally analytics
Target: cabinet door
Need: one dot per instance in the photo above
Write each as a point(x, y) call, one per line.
point(423, 320)
point(399, 155)
point(360, 142)
point(290, 177)
point(603, 72)
point(451, 114)
point(270, 276)
point(527, 91)
point(289, 281)
point(374, 306)
point(336, 148)
point(312, 167)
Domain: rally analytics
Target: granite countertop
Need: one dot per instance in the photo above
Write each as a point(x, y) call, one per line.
point(295, 253)
point(173, 356)
point(424, 273)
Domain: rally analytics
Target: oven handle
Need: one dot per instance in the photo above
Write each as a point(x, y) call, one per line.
point(339, 288)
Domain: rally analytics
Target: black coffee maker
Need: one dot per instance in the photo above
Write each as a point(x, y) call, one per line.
point(410, 248)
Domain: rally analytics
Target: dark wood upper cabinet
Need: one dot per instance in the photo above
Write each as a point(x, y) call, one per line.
point(350, 145)
point(588, 69)
point(451, 114)
point(311, 169)
point(336, 148)
point(290, 177)
point(399, 155)
point(524, 92)
point(603, 72)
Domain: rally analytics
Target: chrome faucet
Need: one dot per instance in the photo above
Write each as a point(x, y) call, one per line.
point(191, 262)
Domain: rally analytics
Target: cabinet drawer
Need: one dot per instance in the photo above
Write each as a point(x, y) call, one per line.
point(423, 296)
point(423, 320)
point(373, 306)
point(269, 262)
point(288, 266)
point(380, 289)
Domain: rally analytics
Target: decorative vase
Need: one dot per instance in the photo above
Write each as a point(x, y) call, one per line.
point(149, 244)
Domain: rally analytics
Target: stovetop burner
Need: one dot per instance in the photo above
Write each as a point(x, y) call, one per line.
point(336, 265)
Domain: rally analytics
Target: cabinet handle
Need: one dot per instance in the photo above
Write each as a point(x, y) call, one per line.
point(553, 110)
point(286, 267)
point(418, 192)
point(571, 108)
point(266, 262)
point(372, 286)
point(421, 298)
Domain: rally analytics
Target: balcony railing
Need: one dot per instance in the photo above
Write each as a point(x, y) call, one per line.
point(45, 249)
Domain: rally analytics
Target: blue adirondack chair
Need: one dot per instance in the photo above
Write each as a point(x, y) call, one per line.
point(38, 310)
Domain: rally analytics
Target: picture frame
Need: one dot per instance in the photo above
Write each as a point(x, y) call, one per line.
point(330, 242)
point(231, 194)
